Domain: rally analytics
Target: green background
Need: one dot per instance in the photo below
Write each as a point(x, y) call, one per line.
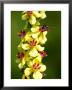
point(52, 46)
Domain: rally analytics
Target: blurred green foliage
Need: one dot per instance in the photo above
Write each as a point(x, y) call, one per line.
point(52, 46)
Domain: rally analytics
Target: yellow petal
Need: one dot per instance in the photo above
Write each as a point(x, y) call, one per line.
point(42, 39)
point(37, 75)
point(39, 48)
point(27, 71)
point(27, 36)
point(26, 46)
point(35, 35)
point(38, 59)
point(27, 58)
point(23, 61)
point(36, 13)
point(20, 66)
point(43, 15)
point(43, 68)
point(35, 29)
point(45, 33)
point(30, 63)
point(33, 52)
point(24, 17)
point(45, 39)
point(32, 20)
point(19, 46)
point(22, 39)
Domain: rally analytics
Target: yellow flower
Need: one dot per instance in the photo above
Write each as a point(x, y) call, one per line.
point(22, 57)
point(32, 15)
point(37, 14)
point(37, 59)
point(32, 20)
point(33, 47)
point(27, 71)
point(36, 68)
point(20, 65)
point(40, 33)
point(42, 14)
point(37, 75)
point(27, 37)
point(31, 52)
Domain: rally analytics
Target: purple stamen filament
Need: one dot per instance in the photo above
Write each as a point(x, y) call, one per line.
point(29, 13)
point(20, 55)
point(43, 28)
point(36, 66)
point(43, 53)
point(22, 34)
point(33, 43)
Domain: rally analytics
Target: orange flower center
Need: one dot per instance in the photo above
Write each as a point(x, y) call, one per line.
point(36, 66)
point(43, 53)
point(43, 28)
point(20, 55)
point(33, 43)
point(29, 13)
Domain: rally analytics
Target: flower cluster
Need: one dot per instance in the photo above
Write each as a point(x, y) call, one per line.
point(31, 49)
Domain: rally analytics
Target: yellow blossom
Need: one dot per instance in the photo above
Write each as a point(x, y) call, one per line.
point(23, 58)
point(40, 33)
point(42, 14)
point(31, 52)
point(36, 68)
point(32, 15)
point(33, 47)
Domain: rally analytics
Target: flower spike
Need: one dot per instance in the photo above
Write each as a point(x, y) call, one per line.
point(31, 52)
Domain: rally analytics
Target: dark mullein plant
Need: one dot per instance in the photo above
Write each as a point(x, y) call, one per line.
point(31, 49)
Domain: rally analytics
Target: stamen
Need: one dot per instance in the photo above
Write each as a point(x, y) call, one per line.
point(36, 66)
point(29, 13)
point(33, 43)
point(20, 55)
point(39, 67)
point(43, 28)
point(22, 34)
point(43, 53)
